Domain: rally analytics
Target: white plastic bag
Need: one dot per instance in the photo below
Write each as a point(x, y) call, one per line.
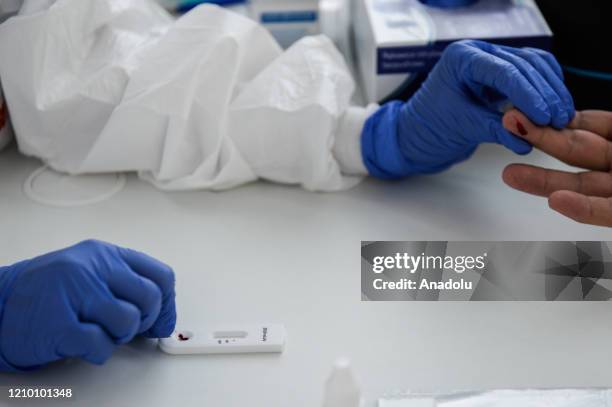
point(206, 101)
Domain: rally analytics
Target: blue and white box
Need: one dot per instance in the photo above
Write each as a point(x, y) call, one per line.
point(398, 42)
point(288, 21)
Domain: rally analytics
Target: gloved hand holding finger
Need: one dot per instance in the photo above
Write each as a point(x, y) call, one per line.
point(545, 65)
point(487, 69)
point(585, 196)
point(544, 80)
point(457, 108)
point(547, 57)
point(82, 301)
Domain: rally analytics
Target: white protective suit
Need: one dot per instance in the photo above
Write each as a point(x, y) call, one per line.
point(205, 101)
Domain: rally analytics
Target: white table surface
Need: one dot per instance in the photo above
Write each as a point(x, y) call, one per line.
point(273, 253)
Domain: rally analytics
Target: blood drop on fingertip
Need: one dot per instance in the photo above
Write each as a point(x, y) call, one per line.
point(521, 129)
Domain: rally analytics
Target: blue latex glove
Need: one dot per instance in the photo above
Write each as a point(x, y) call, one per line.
point(458, 107)
point(82, 301)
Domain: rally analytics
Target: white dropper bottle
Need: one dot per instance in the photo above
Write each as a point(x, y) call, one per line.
point(341, 388)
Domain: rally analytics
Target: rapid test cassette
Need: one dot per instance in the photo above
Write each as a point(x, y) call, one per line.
point(259, 338)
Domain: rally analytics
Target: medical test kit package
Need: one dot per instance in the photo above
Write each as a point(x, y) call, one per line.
point(288, 21)
point(397, 42)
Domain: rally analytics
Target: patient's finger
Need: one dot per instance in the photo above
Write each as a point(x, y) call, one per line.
point(579, 148)
point(544, 182)
point(582, 208)
point(595, 121)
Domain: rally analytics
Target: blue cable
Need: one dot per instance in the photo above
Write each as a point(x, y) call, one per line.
point(602, 76)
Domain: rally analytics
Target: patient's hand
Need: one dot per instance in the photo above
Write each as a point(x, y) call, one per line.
point(585, 196)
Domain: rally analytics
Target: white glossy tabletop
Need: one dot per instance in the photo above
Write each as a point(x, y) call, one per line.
point(273, 253)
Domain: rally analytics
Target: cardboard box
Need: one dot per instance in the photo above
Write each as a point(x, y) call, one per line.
point(398, 42)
